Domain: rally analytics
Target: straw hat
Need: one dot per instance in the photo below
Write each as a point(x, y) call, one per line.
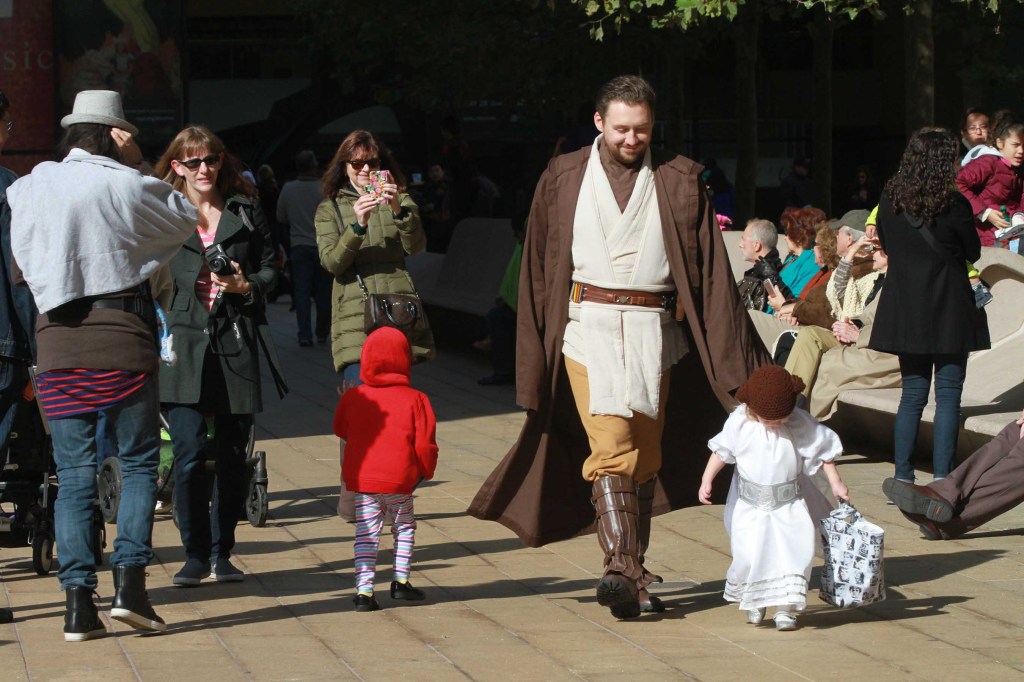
point(98, 106)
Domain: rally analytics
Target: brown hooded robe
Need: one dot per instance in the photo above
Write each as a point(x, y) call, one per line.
point(538, 490)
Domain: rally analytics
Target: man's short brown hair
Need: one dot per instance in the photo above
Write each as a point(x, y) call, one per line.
point(631, 90)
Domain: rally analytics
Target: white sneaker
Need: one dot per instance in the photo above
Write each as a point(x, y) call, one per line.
point(785, 621)
point(755, 616)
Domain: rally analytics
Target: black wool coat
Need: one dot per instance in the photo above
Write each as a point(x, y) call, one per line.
point(927, 305)
point(236, 329)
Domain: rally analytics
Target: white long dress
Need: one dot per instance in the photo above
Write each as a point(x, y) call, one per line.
point(772, 551)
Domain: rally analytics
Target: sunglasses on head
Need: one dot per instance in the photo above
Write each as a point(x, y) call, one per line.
point(358, 164)
point(194, 164)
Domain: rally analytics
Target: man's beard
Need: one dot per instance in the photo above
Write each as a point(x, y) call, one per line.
point(618, 154)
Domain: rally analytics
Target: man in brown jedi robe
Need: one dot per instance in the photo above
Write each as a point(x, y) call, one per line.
point(622, 243)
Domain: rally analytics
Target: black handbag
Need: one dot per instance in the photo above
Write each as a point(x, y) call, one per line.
point(401, 311)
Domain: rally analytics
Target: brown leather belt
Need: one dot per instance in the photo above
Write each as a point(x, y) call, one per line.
point(580, 292)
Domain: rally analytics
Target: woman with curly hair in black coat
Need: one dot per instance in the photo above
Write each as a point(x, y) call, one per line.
point(926, 314)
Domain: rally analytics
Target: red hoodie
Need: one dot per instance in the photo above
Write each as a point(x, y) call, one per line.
point(388, 427)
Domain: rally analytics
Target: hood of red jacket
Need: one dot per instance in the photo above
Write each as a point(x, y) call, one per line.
point(386, 358)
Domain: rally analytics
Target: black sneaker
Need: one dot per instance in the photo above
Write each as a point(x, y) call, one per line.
point(192, 573)
point(366, 602)
point(406, 592)
point(131, 604)
point(226, 572)
point(81, 620)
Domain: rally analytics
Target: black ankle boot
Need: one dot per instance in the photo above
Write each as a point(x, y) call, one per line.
point(81, 621)
point(131, 601)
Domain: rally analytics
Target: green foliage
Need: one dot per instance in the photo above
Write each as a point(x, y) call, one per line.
point(658, 13)
point(684, 14)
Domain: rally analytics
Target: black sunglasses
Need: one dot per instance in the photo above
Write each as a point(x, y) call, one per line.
point(358, 164)
point(194, 164)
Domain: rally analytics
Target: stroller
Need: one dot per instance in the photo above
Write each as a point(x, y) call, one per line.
point(26, 491)
point(255, 504)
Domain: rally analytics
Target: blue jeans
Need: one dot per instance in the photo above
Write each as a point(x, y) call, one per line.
point(916, 370)
point(349, 376)
point(207, 525)
point(310, 280)
point(137, 429)
point(106, 442)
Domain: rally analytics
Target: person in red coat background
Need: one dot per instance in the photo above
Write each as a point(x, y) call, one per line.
point(390, 447)
point(991, 177)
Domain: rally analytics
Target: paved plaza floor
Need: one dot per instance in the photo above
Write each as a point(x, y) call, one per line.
point(497, 610)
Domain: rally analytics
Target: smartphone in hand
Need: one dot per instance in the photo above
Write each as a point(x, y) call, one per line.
point(378, 179)
point(770, 287)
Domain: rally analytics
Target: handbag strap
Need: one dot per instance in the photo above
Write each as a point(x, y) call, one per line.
point(359, 279)
point(927, 235)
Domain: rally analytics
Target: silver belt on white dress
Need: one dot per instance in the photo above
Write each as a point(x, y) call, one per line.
point(768, 497)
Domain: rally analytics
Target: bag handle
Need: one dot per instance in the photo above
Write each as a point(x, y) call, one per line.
point(413, 310)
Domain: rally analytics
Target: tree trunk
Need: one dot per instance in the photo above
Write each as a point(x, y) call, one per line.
point(746, 113)
point(919, 66)
point(822, 32)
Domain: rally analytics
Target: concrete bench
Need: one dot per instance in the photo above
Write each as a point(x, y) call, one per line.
point(467, 277)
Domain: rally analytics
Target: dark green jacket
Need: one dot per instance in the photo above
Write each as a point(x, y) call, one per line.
point(238, 328)
point(378, 257)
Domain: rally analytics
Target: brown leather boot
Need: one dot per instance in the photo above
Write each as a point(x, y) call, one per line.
point(645, 500)
point(616, 503)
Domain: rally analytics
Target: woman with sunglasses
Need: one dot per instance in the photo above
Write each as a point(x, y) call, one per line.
point(222, 276)
point(361, 236)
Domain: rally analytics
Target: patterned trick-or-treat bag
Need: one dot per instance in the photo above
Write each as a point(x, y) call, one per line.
point(854, 549)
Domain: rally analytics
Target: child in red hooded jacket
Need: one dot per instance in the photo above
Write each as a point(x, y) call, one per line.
point(389, 433)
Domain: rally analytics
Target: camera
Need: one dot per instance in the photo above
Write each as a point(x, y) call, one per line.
point(218, 261)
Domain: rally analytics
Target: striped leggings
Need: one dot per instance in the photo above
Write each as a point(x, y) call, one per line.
point(370, 511)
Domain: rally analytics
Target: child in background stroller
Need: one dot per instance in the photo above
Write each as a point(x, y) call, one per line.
point(255, 505)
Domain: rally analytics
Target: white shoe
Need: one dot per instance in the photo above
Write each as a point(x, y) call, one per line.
point(755, 616)
point(785, 621)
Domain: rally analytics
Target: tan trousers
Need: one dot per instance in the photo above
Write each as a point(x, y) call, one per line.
point(805, 357)
point(619, 446)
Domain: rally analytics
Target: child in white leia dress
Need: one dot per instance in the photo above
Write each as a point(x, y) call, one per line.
point(776, 447)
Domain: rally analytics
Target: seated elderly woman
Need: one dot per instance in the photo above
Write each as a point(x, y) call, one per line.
point(834, 360)
point(799, 225)
point(813, 306)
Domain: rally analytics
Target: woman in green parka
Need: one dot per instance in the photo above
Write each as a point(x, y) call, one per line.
point(357, 235)
point(222, 276)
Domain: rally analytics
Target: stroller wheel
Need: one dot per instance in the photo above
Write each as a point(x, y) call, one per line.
point(42, 552)
point(256, 504)
point(109, 486)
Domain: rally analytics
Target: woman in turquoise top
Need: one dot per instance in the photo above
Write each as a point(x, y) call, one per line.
point(799, 267)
